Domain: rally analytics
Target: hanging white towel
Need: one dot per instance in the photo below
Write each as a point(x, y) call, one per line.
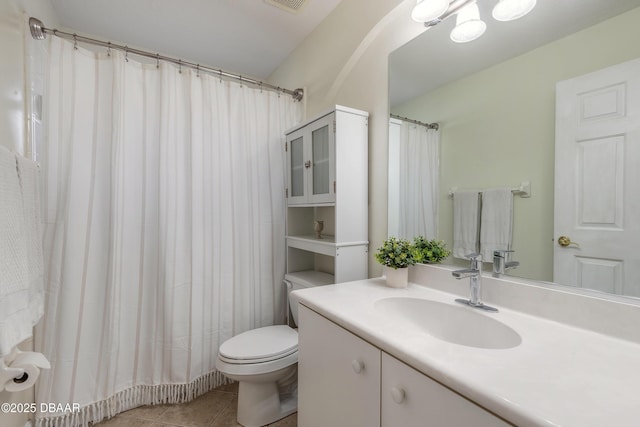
point(465, 223)
point(15, 318)
point(28, 174)
point(496, 226)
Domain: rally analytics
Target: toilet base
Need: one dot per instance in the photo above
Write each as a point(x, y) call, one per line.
point(262, 402)
point(259, 404)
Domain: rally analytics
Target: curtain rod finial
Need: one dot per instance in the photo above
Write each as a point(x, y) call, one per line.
point(37, 29)
point(298, 94)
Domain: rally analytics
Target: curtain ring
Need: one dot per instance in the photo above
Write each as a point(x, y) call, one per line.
point(240, 78)
point(157, 60)
point(75, 41)
point(126, 53)
point(197, 70)
point(260, 85)
point(180, 66)
point(108, 48)
point(220, 71)
point(279, 89)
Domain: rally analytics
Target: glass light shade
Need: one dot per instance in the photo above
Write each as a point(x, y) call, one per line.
point(428, 10)
point(508, 10)
point(469, 26)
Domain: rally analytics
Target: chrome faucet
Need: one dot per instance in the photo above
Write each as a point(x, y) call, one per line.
point(474, 273)
point(500, 263)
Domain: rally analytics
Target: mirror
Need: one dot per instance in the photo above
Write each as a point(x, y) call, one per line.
point(494, 100)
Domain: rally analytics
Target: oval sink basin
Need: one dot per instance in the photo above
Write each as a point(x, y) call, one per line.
point(455, 324)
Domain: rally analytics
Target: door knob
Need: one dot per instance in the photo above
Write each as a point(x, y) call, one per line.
point(307, 164)
point(565, 241)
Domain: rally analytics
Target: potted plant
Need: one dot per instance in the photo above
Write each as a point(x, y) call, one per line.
point(427, 251)
point(396, 255)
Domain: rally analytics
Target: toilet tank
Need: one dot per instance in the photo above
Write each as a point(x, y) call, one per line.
point(302, 280)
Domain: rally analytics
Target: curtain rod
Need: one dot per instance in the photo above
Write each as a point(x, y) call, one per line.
point(39, 32)
point(434, 126)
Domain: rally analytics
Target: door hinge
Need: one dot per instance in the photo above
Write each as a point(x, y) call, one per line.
point(334, 186)
point(334, 126)
point(286, 193)
point(286, 147)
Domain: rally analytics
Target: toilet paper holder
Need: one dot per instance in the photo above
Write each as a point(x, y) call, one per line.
point(22, 379)
point(19, 375)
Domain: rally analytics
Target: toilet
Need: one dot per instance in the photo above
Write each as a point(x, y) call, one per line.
point(264, 361)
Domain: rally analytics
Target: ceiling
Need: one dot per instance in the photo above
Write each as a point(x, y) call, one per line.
point(432, 59)
point(248, 37)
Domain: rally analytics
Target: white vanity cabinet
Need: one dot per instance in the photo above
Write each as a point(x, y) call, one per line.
point(345, 381)
point(409, 398)
point(338, 375)
point(327, 180)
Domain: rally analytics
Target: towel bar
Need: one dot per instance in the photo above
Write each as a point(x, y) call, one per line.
point(523, 190)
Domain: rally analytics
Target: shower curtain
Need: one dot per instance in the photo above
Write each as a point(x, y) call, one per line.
point(419, 180)
point(164, 228)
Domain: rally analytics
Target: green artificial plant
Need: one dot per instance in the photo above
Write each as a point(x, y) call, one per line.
point(396, 253)
point(427, 251)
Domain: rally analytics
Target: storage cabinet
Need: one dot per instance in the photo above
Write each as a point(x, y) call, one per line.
point(327, 181)
point(338, 375)
point(345, 381)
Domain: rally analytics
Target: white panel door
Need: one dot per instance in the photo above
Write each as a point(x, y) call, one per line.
point(597, 180)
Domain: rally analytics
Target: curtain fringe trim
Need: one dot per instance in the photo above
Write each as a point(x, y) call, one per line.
point(132, 398)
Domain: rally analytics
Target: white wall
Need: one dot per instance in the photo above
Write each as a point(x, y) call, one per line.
point(497, 134)
point(13, 15)
point(345, 61)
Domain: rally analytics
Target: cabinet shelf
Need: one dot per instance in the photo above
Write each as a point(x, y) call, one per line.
point(326, 246)
point(310, 278)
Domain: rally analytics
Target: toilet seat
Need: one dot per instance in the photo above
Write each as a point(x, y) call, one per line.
point(260, 345)
point(259, 351)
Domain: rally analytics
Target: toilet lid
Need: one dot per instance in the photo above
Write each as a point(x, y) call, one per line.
point(262, 344)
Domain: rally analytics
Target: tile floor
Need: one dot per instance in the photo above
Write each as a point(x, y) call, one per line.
point(214, 409)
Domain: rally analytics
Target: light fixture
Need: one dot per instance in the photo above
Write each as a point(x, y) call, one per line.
point(428, 10)
point(469, 26)
point(508, 10)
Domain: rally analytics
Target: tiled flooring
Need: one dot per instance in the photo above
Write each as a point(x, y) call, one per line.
point(214, 409)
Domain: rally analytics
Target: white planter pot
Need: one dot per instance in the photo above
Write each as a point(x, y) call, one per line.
point(396, 277)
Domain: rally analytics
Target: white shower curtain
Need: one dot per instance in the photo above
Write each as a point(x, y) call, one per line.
point(419, 179)
point(164, 209)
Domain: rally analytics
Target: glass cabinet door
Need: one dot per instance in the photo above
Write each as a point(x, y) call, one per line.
point(320, 160)
point(297, 167)
point(321, 139)
point(311, 168)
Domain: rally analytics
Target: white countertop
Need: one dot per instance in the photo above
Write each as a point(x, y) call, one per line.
point(559, 375)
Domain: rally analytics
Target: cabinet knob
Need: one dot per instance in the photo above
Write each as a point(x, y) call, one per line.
point(397, 394)
point(357, 366)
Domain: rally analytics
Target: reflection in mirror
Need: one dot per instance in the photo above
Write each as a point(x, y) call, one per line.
point(495, 102)
point(414, 155)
